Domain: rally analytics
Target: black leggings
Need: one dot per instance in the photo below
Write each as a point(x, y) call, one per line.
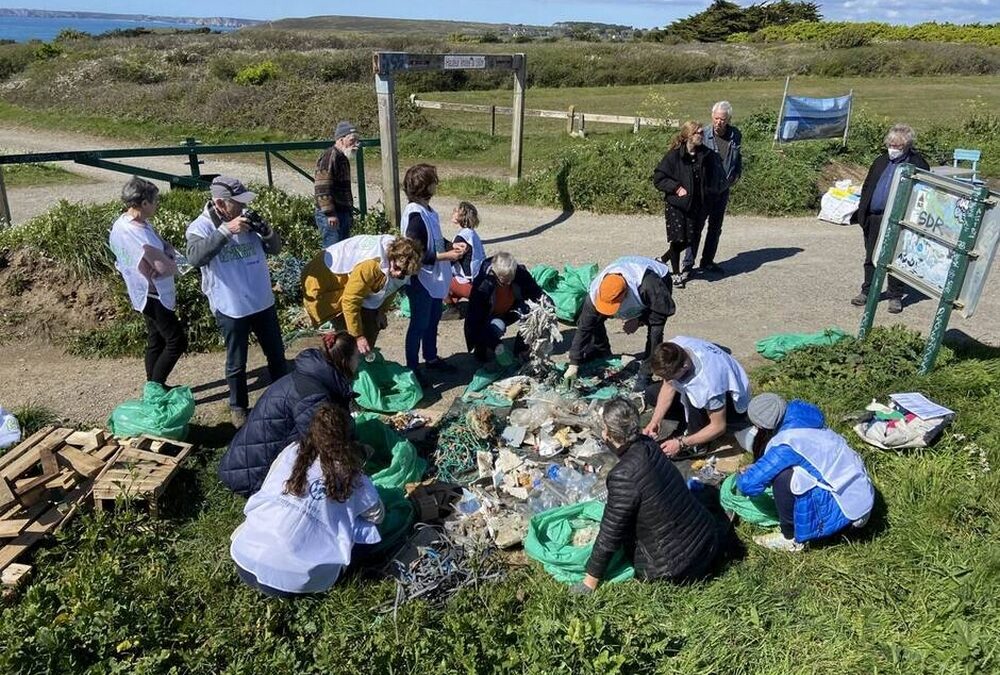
point(674, 253)
point(784, 501)
point(165, 343)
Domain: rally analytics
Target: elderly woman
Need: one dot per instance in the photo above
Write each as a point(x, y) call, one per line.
point(820, 484)
point(664, 529)
point(874, 201)
point(691, 177)
point(498, 299)
point(148, 265)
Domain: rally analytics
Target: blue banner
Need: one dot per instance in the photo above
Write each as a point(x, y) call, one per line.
point(804, 118)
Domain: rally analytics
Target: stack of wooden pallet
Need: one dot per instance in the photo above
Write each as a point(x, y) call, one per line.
point(141, 470)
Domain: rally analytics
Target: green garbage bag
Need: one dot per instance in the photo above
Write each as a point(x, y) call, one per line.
point(160, 412)
point(482, 379)
point(385, 386)
point(404, 305)
point(546, 276)
point(776, 347)
point(396, 524)
point(549, 541)
point(759, 510)
point(571, 291)
point(395, 461)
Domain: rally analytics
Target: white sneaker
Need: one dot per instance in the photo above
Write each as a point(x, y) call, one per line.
point(777, 542)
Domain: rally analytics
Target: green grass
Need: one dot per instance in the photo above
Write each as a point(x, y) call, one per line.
point(32, 175)
point(917, 591)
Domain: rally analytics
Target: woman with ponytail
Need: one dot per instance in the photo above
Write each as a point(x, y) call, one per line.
point(314, 505)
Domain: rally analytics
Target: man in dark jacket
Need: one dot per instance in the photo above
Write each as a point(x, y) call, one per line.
point(498, 299)
point(282, 415)
point(664, 529)
point(874, 201)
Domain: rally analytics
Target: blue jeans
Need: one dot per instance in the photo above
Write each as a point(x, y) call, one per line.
point(236, 333)
point(332, 235)
point(425, 315)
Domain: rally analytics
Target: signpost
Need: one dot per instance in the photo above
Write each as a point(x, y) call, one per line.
point(387, 64)
point(939, 236)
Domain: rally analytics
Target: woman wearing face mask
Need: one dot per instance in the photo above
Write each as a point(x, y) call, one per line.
point(874, 197)
point(664, 529)
point(690, 176)
point(820, 484)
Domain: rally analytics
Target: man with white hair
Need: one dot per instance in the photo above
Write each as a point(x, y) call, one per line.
point(874, 201)
point(334, 199)
point(726, 140)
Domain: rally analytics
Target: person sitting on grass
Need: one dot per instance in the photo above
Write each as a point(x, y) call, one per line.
point(285, 411)
point(464, 270)
point(665, 531)
point(820, 484)
point(314, 506)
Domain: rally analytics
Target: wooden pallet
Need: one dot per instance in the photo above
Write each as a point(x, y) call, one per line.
point(141, 471)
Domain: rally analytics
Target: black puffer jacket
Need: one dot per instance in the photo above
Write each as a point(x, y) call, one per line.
point(663, 528)
point(282, 415)
point(483, 297)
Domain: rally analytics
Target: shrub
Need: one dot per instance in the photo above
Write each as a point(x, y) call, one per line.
point(47, 50)
point(135, 71)
point(848, 38)
point(14, 58)
point(257, 74)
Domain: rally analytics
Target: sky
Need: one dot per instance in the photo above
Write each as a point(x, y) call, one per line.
point(638, 13)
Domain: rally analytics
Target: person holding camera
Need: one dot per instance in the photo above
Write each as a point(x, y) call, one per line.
point(229, 243)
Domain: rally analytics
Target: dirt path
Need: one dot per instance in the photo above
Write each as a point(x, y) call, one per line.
point(783, 275)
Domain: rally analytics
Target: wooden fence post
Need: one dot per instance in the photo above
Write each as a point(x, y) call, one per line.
point(570, 119)
point(493, 120)
point(635, 126)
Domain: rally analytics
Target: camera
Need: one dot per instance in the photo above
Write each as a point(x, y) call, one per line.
point(256, 223)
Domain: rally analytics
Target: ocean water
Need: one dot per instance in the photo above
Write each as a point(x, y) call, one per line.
point(24, 28)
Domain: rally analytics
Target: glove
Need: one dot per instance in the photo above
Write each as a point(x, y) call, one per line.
point(580, 589)
point(569, 377)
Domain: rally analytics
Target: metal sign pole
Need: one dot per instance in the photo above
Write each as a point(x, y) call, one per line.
point(781, 111)
point(5, 219)
point(847, 126)
point(956, 277)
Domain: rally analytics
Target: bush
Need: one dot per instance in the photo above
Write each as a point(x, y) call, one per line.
point(848, 38)
point(46, 50)
point(257, 74)
point(135, 71)
point(14, 58)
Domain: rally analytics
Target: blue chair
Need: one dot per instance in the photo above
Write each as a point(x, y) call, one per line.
point(971, 156)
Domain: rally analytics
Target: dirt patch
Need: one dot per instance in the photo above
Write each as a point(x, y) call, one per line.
point(835, 171)
point(39, 298)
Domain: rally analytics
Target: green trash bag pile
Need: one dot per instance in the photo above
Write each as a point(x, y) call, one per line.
point(397, 522)
point(395, 461)
point(550, 542)
point(776, 347)
point(759, 510)
point(160, 412)
point(567, 290)
point(386, 386)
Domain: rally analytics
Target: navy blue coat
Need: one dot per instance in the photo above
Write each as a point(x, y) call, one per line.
point(281, 416)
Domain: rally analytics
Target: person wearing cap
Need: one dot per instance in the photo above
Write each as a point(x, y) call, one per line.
point(499, 297)
point(820, 484)
point(148, 264)
point(286, 408)
point(232, 259)
point(636, 290)
point(714, 394)
point(334, 199)
point(351, 283)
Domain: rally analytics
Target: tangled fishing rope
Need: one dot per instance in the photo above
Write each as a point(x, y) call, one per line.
point(459, 439)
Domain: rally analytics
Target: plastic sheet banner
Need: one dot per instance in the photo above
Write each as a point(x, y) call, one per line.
point(804, 118)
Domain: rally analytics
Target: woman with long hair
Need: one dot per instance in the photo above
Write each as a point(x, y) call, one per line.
point(690, 176)
point(314, 505)
point(284, 412)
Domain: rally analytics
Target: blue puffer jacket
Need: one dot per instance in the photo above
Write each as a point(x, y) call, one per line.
point(817, 514)
point(282, 415)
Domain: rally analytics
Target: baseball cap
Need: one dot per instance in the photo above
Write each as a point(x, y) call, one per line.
point(344, 128)
point(610, 294)
point(225, 187)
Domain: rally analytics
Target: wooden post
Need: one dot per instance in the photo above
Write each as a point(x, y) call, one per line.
point(5, 219)
point(517, 128)
point(570, 119)
point(583, 125)
point(384, 90)
point(493, 120)
point(635, 126)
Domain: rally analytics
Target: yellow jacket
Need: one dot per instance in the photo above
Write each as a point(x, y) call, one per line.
point(327, 295)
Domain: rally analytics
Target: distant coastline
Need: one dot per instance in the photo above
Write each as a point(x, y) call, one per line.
point(217, 21)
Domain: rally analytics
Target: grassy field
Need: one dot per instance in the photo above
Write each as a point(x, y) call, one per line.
point(917, 591)
point(31, 175)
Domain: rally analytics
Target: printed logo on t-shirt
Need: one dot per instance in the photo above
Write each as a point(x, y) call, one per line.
point(237, 252)
point(317, 489)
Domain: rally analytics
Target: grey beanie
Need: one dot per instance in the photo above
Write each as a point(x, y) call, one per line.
point(766, 411)
point(344, 128)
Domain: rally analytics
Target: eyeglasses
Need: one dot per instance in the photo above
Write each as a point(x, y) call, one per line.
point(699, 132)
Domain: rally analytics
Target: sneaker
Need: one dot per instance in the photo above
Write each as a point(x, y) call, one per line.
point(238, 416)
point(895, 305)
point(711, 268)
point(860, 300)
point(440, 365)
point(776, 542)
point(679, 280)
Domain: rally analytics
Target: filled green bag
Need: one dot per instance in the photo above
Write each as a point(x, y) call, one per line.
point(396, 524)
point(759, 510)
point(404, 305)
point(395, 461)
point(572, 290)
point(482, 379)
point(160, 412)
point(549, 541)
point(546, 276)
point(385, 386)
point(776, 347)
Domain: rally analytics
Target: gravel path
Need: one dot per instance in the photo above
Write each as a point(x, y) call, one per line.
point(783, 275)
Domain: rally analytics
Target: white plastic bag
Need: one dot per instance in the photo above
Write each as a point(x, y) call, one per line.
point(837, 210)
point(10, 430)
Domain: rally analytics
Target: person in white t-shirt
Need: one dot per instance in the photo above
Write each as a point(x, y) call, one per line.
point(148, 264)
point(314, 506)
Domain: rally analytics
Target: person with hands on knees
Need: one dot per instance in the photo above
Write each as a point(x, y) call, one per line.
point(350, 285)
point(705, 389)
point(231, 251)
point(429, 288)
point(314, 506)
point(650, 513)
point(820, 484)
point(634, 289)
